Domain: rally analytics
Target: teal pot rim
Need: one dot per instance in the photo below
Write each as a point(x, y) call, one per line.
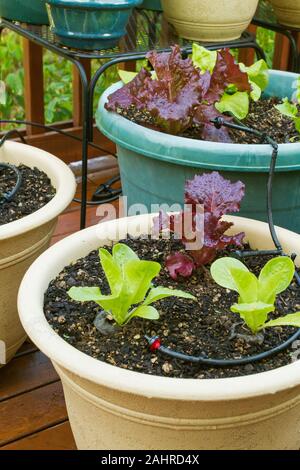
point(89, 36)
point(190, 152)
point(94, 5)
point(19, 10)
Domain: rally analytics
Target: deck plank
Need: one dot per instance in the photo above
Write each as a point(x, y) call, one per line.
point(58, 437)
point(69, 223)
point(32, 412)
point(26, 373)
point(27, 348)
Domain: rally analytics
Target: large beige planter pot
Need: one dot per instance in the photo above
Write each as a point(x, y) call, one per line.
point(113, 408)
point(22, 241)
point(287, 12)
point(210, 20)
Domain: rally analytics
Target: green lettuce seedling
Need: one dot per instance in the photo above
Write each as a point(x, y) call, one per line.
point(257, 295)
point(130, 281)
point(286, 108)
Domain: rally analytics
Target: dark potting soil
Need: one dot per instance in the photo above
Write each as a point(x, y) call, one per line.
point(262, 116)
point(185, 325)
point(35, 192)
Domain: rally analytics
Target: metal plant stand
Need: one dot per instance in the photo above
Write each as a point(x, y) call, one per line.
point(266, 18)
point(288, 32)
point(146, 30)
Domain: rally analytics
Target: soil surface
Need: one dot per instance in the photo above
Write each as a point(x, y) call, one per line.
point(265, 118)
point(35, 192)
point(262, 116)
point(204, 326)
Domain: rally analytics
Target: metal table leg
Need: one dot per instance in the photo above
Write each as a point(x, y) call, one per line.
point(85, 138)
point(277, 28)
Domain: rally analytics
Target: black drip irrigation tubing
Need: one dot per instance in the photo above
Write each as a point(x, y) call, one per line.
point(155, 345)
point(54, 129)
point(9, 196)
point(104, 193)
point(10, 133)
point(155, 342)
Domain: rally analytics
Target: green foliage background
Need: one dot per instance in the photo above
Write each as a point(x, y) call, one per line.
point(57, 82)
point(58, 78)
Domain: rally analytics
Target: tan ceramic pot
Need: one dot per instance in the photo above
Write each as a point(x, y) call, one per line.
point(22, 241)
point(113, 408)
point(287, 12)
point(210, 20)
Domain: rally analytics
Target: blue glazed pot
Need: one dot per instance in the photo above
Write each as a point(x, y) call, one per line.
point(154, 165)
point(25, 11)
point(90, 24)
point(151, 5)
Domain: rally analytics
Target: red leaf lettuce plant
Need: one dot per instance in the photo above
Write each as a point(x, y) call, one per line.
point(217, 197)
point(183, 93)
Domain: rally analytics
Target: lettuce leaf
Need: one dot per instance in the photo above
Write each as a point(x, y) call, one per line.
point(203, 58)
point(226, 76)
point(179, 264)
point(255, 92)
point(287, 109)
point(258, 75)
point(218, 197)
point(131, 94)
point(176, 92)
point(203, 116)
point(126, 76)
point(290, 110)
point(236, 104)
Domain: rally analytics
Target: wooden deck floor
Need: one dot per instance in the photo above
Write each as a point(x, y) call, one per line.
point(33, 414)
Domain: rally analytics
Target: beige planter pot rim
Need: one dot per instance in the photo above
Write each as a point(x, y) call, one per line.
point(30, 305)
point(55, 169)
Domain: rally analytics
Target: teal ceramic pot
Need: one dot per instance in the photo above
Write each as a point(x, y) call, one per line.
point(154, 165)
point(90, 24)
point(25, 11)
point(151, 5)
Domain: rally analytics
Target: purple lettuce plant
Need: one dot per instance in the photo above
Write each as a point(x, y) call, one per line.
point(218, 197)
point(171, 98)
point(181, 94)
